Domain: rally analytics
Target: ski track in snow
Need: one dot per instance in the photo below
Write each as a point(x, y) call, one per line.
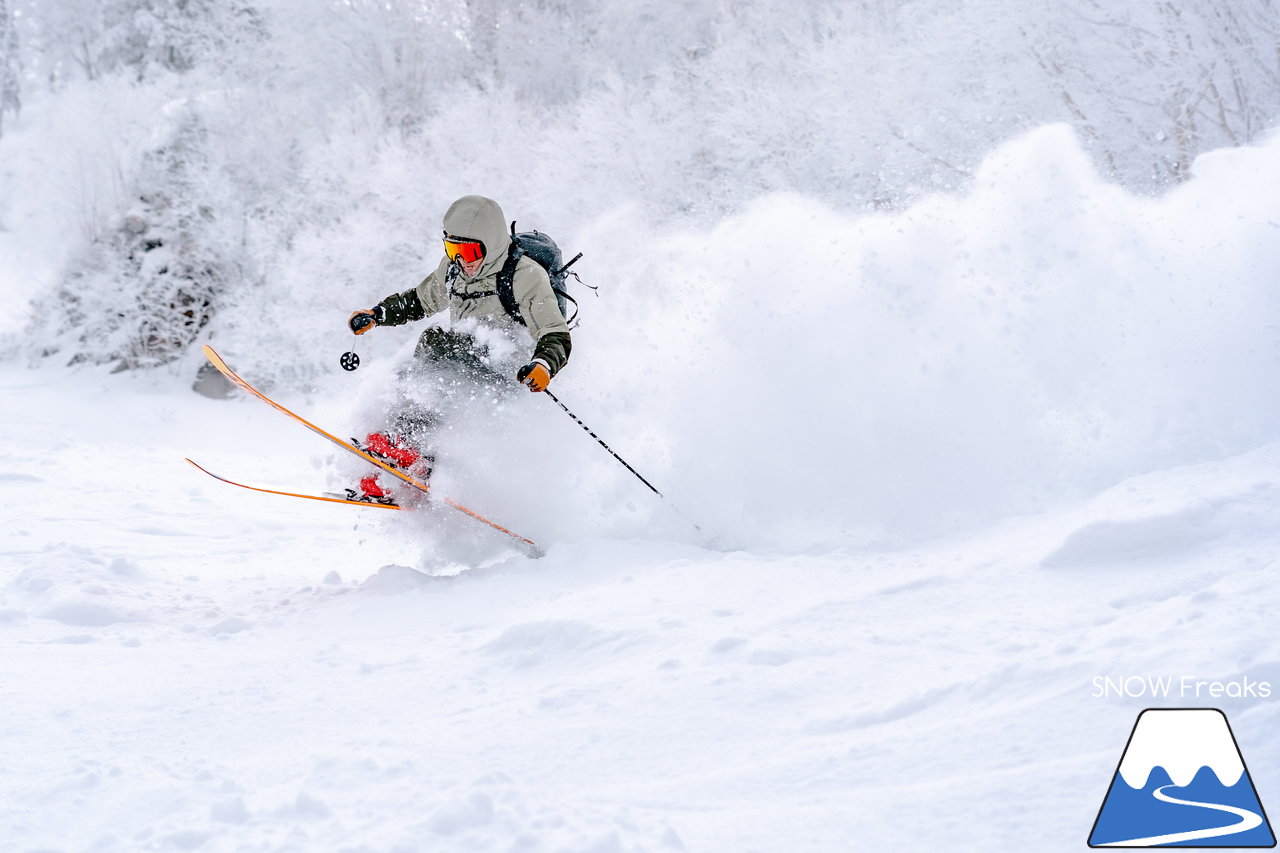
point(190, 668)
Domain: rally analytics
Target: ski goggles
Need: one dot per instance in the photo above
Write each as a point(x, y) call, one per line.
point(463, 251)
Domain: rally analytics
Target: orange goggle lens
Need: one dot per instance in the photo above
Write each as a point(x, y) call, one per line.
point(463, 251)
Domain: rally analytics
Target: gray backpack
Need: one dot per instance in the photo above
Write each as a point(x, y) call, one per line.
point(543, 250)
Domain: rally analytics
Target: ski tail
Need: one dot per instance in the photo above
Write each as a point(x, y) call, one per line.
point(217, 361)
point(371, 504)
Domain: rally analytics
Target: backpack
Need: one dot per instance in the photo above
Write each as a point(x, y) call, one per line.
point(544, 251)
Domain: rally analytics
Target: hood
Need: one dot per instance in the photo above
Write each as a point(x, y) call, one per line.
point(480, 218)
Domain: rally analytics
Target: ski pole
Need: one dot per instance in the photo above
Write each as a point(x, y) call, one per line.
point(600, 441)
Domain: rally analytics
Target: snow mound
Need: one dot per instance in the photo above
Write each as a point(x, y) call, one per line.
point(77, 587)
point(494, 813)
point(1174, 515)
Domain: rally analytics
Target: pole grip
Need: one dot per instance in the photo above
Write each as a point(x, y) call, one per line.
point(576, 258)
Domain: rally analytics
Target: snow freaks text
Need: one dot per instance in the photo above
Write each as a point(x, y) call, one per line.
point(1177, 687)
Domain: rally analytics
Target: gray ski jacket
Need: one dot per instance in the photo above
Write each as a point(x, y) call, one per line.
point(475, 217)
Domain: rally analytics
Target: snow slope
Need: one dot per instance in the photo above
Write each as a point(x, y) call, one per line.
point(190, 666)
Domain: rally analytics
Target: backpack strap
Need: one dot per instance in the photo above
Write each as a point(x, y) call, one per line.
point(508, 300)
point(506, 282)
point(451, 278)
point(572, 320)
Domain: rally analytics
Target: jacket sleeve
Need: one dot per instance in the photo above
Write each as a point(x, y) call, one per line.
point(553, 348)
point(428, 298)
point(541, 314)
point(398, 309)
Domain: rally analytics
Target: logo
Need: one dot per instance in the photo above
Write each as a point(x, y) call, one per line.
point(1185, 687)
point(1181, 782)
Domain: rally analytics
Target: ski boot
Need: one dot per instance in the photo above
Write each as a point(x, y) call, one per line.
point(395, 452)
point(370, 492)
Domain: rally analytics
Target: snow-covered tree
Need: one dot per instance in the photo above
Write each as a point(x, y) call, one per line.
point(1152, 85)
point(142, 38)
point(138, 295)
point(10, 65)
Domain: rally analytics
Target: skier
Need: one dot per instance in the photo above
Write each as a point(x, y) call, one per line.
point(471, 354)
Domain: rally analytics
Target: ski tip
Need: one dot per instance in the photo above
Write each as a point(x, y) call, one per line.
point(216, 360)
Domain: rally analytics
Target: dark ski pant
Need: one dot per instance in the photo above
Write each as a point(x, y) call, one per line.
point(448, 380)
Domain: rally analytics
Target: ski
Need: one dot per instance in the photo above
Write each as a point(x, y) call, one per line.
point(221, 365)
point(335, 500)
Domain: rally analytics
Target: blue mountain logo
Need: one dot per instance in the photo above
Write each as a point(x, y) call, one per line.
point(1182, 782)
